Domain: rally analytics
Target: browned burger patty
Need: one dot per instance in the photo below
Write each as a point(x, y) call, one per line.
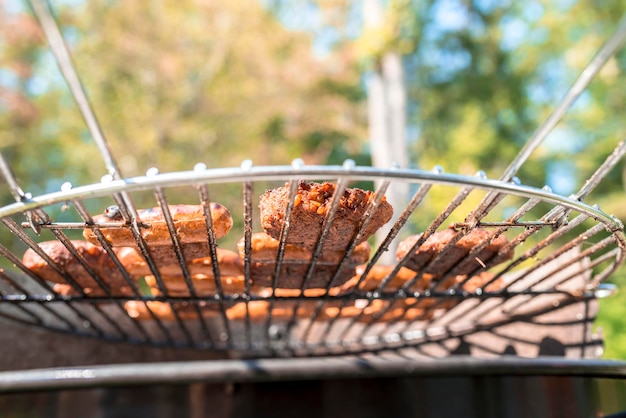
point(203, 285)
point(360, 310)
point(257, 310)
point(164, 311)
point(377, 310)
point(189, 223)
point(384, 310)
point(312, 202)
point(296, 261)
point(96, 258)
point(411, 308)
point(196, 256)
point(435, 244)
point(483, 280)
point(378, 273)
point(283, 309)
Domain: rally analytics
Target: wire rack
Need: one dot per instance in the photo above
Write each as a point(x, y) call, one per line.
point(539, 295)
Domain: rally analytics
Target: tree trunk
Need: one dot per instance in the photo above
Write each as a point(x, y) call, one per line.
point(387, 120)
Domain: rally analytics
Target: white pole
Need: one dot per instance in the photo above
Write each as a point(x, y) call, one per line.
point(387, 119)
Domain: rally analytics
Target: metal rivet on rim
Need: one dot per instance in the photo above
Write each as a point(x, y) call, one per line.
point(349, 164)
point(107, 178)
point(246, 165)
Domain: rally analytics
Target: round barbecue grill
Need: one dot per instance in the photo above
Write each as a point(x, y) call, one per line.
point(538, 301)
point(569, 276)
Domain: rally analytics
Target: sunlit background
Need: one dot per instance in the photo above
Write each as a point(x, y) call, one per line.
point(461, 84)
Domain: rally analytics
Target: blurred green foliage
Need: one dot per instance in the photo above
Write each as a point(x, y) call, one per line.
point(611, 319)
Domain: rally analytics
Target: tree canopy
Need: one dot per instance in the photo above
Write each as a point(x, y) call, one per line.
point(208, 79)
point(175, 83)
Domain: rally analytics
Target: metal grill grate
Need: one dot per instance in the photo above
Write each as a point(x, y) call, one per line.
point(562, 257)
point(563, 249)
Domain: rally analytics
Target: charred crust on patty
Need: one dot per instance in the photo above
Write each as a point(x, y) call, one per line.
point(189, 222)
point(96, 258)
point(332, 267)
point(311, 204)
point(431, 256)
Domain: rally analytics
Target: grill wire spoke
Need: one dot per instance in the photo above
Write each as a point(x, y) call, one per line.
point(248, 191)
point(205, 201)
point(327, 221)
point(342, 184)
point(129, 213)
point(101, 239)
point(279, 262)
point(86, 216)
point(181, 260)
point(470, 256)
point(34, 246)
point(415, 201)
point(22, 293)
point(67, 243)
point(367, 218)
point(455, 203)
point(145, 252)
point(560, 261)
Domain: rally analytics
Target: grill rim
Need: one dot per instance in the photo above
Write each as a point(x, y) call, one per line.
point(288, 173)
point(290, 369)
